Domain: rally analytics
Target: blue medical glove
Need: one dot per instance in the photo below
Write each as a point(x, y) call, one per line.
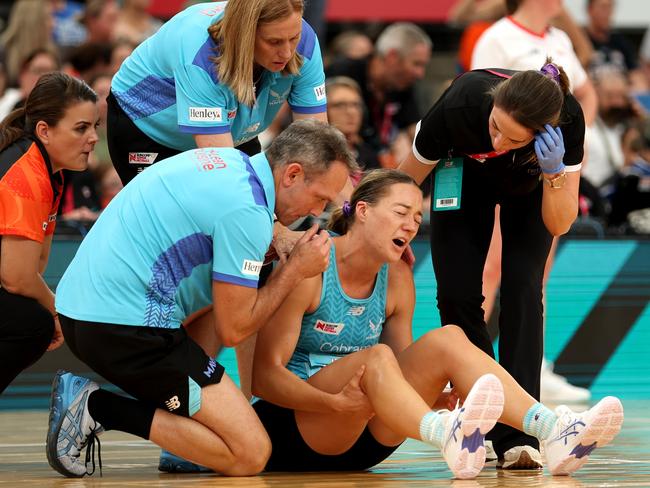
point(549, 147)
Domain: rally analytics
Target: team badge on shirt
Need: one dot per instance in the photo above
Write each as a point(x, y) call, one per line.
point(279, 98)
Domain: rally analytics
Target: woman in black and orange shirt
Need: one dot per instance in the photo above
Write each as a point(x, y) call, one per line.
point(54, 130)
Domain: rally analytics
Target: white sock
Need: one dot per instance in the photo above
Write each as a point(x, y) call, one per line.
point(539, 421)
point(432, 429)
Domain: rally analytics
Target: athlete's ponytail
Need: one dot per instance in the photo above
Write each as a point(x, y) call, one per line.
point(12, 128)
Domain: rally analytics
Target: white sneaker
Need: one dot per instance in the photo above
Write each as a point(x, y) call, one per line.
point(490, 453)
point(71, 428)
point(521, 457)
point(556, 389)
point(576, 435)
point(465, 454)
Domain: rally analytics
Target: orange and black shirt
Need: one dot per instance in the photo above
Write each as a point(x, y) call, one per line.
point(29, 192)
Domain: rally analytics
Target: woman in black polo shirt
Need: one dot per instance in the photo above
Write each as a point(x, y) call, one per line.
point(509, 138)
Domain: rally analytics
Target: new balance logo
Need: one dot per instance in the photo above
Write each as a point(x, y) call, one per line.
point(356, 311)
point(212, 365)
point(173, 403)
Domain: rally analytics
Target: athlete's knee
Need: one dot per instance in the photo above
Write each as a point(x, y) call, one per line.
point(251, 453)
point(444, 339)
point(380, 355)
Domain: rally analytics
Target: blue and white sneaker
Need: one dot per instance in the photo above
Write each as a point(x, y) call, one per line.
point(170, 463)
point(466, 426)
point(576, 435)
point(71, 427)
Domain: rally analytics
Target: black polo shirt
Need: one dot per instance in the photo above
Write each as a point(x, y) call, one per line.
point(457, 125)
point(383, 120)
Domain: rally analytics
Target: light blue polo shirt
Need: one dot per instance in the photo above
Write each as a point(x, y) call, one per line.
point(169, 87)
point(151, 257)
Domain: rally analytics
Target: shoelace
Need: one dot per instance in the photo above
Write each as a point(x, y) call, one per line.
point(90, 452)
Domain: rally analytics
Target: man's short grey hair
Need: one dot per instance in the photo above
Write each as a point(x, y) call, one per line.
point(314, 144)
point(402, 37)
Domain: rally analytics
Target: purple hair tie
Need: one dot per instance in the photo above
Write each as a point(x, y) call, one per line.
point(347, 208)
point(551, 71)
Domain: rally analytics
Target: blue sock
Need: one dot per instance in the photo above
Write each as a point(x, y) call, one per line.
point(432, 429)
point(539, 421)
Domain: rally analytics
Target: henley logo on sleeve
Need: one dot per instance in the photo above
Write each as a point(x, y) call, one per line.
point(205, 114)
point(319, 91)
point(251, 268)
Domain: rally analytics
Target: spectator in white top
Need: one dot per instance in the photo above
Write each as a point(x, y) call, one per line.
point(615, 110)
point(525, 38)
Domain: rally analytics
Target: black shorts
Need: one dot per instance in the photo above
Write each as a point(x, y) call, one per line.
point(291, 453)
point(132, 151)
point(162, 367)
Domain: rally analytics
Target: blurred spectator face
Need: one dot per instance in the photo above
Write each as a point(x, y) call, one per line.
point(403, 71)
point(600, 13)
point(102, 86)
point(345, 110)
point(119, 53)
point(358, 47)
point(137, 4)
point(110, 185)
point(41, 63)
point(614, 105)
point(100, 27)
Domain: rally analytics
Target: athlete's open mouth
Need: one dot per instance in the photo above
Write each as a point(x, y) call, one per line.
point(399, 242)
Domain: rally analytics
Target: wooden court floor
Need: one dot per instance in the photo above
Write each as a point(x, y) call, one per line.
point(131, 462)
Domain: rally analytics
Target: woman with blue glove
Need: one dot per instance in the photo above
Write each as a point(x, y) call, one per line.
point(510, 138)
point(215, 75)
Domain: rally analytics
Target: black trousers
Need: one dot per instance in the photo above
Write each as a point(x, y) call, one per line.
point(26, 329)
point(125, 137)
point(459, 244)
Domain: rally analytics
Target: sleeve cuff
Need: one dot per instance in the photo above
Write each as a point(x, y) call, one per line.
point(416, 153)
point(309, 110)
point(235, 280)
point(190, 129)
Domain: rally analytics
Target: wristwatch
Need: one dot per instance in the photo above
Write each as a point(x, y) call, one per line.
point(557, 181)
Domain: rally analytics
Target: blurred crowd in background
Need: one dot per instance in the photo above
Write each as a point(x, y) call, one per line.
point(382, 78)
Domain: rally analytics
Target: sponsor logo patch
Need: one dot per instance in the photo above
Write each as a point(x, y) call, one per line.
point(319, 91)
point(211, 12)
point(209, 159)
point(232, 113)
point(212, 366)
point(142, 157)
point(251, 268)
point(328, 327)
point(205, 114)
